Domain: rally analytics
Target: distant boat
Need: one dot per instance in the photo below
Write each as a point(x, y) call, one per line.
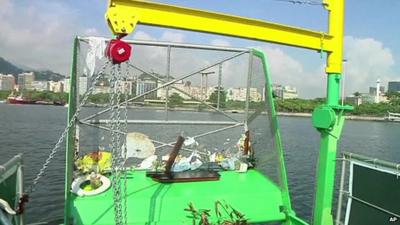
point(19, 100)
point(22, 100)
point(395, 117)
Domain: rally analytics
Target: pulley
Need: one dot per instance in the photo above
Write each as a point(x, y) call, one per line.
point(118, 51)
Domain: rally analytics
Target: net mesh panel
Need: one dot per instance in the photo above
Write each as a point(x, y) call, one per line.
point(148, 69)
point(262, 128)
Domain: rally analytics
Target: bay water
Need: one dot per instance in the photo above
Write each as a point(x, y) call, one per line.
point(33, 130)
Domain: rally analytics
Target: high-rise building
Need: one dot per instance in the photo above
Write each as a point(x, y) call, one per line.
point(25, 80)
point(372, 90)
point(7, 82)
point(394, 86)
point(284, 92)
point(143, 86)
point(146, 83)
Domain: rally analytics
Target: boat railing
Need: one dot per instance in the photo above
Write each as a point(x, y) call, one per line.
point(11, 189)
point(371, 189)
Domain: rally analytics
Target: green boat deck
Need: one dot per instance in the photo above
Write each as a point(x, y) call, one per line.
point(150, 202)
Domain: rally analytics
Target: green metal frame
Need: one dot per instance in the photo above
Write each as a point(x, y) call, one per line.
point(291, 216)
point(70, 141)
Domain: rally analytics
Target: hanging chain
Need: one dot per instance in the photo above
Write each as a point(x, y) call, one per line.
point(120, 208)
point(112, 81)
point(125, 129)
point(67, 128)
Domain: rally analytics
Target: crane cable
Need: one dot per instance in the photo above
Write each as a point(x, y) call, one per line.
point(302, 2)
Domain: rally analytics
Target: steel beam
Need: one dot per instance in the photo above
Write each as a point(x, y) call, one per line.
point(170, 122)
point(123, 15)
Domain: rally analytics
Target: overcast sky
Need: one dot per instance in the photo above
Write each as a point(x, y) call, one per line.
point(39, 34)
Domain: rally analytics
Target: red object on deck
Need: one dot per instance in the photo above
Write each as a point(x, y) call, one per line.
point(118, 51)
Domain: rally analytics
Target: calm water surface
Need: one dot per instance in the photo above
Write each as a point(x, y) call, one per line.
point(33, 131)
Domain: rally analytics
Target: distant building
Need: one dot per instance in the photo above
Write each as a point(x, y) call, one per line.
point(372, 90)
point(146, 83)
point(367, 98)
point(7, 82)
point(143, 86)
point(66, 84)
point(394, 86)
point(101, 89)
point(25, 80)
point(284, 92)
point(239, 94)
point(55, 86)
point(82, 85)
point(195, 91)
point(40, 86)
point(354, 100)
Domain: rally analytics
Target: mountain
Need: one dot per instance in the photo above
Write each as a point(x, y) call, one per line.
point(9, 68)
point(47, 75)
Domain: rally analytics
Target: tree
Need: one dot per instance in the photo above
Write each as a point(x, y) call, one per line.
point(175, 100)
point(357, 94)
point(222, 98)
point(393, 97)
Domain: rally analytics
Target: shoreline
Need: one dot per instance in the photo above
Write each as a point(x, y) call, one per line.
point(283, 114)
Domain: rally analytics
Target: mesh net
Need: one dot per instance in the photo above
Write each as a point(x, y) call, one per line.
point(209, 96)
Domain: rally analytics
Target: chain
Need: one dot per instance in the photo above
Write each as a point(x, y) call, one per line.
point(125, 190)
point(113, 148)
point(116, 145)
point(72, 121)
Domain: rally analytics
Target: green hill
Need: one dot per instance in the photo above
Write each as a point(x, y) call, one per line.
point(9, 68)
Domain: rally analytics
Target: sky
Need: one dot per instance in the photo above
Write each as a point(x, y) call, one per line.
point(38, 34)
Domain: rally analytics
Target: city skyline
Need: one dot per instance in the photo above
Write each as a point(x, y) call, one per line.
point(370, 53)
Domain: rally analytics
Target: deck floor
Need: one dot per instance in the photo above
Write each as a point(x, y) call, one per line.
point(150, 202)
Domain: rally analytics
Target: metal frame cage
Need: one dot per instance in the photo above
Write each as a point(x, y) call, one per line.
point(208, 94)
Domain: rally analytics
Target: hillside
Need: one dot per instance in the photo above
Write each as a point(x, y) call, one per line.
point(9, 68)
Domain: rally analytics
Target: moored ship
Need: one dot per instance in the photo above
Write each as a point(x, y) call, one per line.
point(19, 100)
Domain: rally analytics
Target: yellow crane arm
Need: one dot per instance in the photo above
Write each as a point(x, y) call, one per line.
point(123, 15)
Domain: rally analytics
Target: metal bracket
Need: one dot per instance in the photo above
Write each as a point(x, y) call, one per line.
point(119, 21)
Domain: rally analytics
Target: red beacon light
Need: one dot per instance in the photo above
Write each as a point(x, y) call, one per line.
point(118, 51)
